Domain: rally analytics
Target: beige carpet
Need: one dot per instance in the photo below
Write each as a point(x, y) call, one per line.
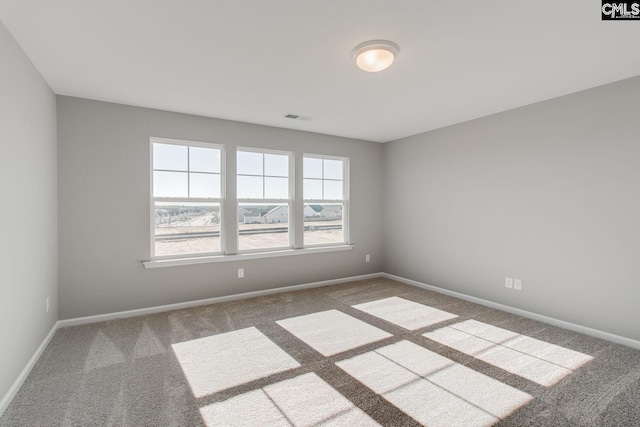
point(365, 353)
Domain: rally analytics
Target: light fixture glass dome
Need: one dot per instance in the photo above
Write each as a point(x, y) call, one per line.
point(375, 55)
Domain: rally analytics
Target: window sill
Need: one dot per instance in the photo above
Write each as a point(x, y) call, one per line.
point(242, 257)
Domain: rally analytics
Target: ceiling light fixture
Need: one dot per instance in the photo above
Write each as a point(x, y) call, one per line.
point(375, 55)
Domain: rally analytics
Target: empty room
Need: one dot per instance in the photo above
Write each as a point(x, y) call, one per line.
point(337, 213)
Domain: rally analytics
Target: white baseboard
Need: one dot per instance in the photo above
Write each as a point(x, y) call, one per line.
point(6, 400)
point(530, 315)
point(189, 304)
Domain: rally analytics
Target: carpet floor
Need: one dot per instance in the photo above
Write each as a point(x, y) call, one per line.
point(365, 353)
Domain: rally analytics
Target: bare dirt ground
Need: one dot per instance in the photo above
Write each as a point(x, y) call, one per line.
point(245, 241)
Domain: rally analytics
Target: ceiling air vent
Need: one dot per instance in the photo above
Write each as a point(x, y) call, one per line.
point(296, 117)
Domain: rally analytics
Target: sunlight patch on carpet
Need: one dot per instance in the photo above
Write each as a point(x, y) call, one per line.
point(249, 409)
point(305, 400)
point(535, 360)
point(404, 313)
point(332, 332)
point(433, 389)
point(215, 363)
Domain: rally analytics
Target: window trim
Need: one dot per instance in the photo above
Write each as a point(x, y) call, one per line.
point(289, 201)
point(220, 201)
point(173, 262)
point(346, 178)
point(295, 204)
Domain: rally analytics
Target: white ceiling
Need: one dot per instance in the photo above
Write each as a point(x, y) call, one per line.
point(256, 60)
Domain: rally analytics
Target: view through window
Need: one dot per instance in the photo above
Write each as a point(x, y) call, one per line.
point(324, 200)
point(187, 198)
point(264, 199)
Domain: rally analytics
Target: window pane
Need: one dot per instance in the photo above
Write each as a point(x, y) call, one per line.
point(276, 165)
point(276, 188)
point(186, 228)
point(323, 224)
point(263, 226)
point(204, 159)
point(249, 163)
point(250, 187)
point(332, 190)
point(312, 168)
point(332, 169)
point(204, 185)
point(170, 157)
point(312, 189)
point(170, 184)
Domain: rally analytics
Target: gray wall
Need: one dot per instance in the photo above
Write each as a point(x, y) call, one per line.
point(104, 202)
point(548, 193)
point(28, 263)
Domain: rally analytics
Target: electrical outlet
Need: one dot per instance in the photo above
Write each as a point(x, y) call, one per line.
point(240, 273)
point(508, 283)
point(46, 304)
point(517, 284)
point(367, 258)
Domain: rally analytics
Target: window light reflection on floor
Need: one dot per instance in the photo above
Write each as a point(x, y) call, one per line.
point(331, 332)
point(535, 360)
point(218, 362)
point(404, 313)
point(302, 401)
point(433, 389)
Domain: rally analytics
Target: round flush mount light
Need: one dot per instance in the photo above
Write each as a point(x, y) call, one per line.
point(375, 55)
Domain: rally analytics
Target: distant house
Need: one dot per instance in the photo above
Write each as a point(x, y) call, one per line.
point(310, 212)
point(252, 216)
point(276, 215)
point(316, 208)
point(241, 213)
point(331, 213)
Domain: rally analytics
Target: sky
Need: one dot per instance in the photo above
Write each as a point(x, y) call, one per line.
point(189, 171)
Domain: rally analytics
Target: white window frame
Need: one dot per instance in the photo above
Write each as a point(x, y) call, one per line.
point(289, 201)
point(220, 200)
point(344, 201)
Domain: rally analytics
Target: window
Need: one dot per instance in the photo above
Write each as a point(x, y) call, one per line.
point(325, 200)
point(264, 199)
point(189, 223)
point(187, 192)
